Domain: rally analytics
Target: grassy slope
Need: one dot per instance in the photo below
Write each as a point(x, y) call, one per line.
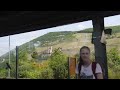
point(79, 42)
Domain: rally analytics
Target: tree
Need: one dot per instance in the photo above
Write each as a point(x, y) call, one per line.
point(58, 63)
point(113, 56)
point(113, 63)
point(34, 55)
point(22, 55)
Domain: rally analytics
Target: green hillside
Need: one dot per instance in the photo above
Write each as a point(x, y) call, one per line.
point(54, 38)
point(70, 42)
point(115, 29)
point(51, 37)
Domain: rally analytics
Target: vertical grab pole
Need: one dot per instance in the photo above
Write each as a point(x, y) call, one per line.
point(16, 62)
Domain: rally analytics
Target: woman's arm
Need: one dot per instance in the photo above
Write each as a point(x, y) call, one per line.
point(99, 72)
point(99, 76)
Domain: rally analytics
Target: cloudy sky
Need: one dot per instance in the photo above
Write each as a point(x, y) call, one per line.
point(18, 39)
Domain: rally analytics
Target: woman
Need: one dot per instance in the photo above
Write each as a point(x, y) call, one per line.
point(86, 69)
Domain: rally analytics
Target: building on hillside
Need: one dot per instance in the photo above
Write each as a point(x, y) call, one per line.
point(46, 53)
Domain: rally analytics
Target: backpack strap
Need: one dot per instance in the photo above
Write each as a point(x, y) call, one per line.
point(94, 64)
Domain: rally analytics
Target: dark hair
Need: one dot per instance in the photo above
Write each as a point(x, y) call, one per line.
point(80, 59)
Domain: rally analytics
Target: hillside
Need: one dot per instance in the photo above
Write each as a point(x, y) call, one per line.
point(69, 42)
point(55, 38)
point(115, 29)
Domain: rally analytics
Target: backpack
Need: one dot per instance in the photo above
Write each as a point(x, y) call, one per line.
point(93, 69)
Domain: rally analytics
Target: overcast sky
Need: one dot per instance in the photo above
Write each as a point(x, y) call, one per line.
point(19, 39)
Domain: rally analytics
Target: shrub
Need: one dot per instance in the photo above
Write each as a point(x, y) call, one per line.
point(113, 63)
point(58, 63)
